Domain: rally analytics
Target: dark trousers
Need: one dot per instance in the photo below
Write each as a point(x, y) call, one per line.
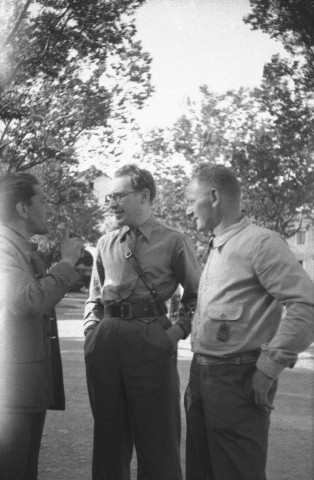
point(134, 394)
point(227, 434)
point(20, 438)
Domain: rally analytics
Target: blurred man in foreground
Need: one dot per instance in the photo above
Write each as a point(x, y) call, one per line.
point(240, 339)
point(130, 344)
point(31, 371)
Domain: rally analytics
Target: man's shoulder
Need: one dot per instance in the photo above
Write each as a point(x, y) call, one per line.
point(160, 225)
point(5, 237)
point(7, 244)
point(109, 236)
point(258, 231)
point(255, 237)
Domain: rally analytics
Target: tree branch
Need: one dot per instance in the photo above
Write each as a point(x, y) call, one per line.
point(4, 132)
point(18, 22)
point(37, 59)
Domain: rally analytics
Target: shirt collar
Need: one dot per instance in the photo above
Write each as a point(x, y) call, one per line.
point(18, 240)
point(230, 232)
point(123, 232)
point(146, 229)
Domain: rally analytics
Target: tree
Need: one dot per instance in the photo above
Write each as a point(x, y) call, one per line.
point(76, 209)
point(67, 67)
point(207, 133)
point(265, 134)
point(159, 153)
point(291, 22)
point(276, 164)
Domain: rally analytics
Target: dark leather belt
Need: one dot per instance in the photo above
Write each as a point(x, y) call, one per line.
point(129, 310)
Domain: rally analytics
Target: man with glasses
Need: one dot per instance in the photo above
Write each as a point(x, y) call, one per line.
point(130, 345)
point(241, 341)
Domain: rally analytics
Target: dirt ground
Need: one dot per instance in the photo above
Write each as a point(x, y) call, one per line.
point(67, 441)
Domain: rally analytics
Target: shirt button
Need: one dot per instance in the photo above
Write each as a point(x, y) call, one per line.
point(222, 315)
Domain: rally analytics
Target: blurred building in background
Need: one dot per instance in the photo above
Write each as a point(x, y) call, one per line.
point(302, 245)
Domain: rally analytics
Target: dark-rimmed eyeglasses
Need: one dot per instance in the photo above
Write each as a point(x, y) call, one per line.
point(116, 197)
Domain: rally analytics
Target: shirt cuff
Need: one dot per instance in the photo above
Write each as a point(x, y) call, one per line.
point(272, 363)
point(90, 323)
point(185, 318)
point(90, 326)
point(185, 334)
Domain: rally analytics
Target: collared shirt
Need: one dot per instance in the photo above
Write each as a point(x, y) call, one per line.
point(166, 257)
point(249, 276)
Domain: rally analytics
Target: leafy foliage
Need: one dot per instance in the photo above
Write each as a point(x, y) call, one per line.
point(76, 209)
point(67, 67)
point(291, 22)
point(277, 163)
point(265, 134)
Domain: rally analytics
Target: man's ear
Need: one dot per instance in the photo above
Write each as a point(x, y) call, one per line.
point(145, 195)
point(214, 196)
point(21, 210)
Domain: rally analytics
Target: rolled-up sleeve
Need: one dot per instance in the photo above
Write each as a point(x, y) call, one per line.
point(285, 279)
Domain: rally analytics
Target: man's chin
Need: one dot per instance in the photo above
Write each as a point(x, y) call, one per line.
point(120, 221)
point(200, 228)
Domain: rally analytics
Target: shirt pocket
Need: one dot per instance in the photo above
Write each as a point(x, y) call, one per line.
point(223, 326)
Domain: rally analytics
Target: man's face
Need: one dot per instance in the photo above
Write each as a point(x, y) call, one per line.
point(38, 212)
point(200, 206)
point(128, 208)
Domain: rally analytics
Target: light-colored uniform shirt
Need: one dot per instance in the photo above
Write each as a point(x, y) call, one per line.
point(166, 257)
point(249, 276)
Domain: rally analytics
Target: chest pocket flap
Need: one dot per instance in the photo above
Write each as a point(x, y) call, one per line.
point(225, 312)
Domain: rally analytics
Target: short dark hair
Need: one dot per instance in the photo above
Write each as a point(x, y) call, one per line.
point(15, 188)
point(220, 177)
point(140, 178)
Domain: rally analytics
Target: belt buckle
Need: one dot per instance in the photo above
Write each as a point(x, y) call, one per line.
point(126, 310)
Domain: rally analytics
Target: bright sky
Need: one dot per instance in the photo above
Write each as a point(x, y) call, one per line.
point(197, 42)
point(192, 43)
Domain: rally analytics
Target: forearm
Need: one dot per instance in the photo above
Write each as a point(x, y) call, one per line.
point(294, 335)
point(94, 312)
point(38, 295)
